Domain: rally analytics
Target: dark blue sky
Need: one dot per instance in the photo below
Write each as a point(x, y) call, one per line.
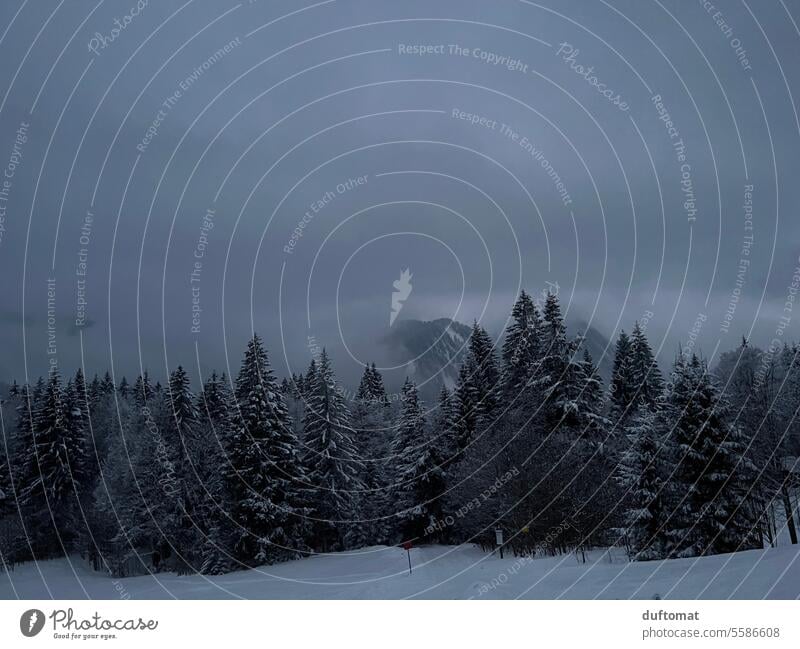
point(606, 147)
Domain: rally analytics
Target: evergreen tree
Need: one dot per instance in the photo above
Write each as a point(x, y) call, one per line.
point(420, 477)
point(6, 490)
point(107, 386)
point(117, 504)
point(180, 424)
point(553, 328)
point(124, 389)
point(644, 485)
point(137, 499)
point(181, 401)
point(372, 440)
point(331, 460)
point(364, 392)
point(712, 474)
point(143, 390)
point(102, 415)
point(444, 424)
point(298, 385)
point(265, 471)
point(570, 398)
point(575, 409)
point(478, 387)
point(521, 347)
point(57, 449)
point(76, 445)
point(371, 391)
point(5, 487)
point(752, 381)
point(465, 404)
point(94, 391)
point(311, 374)
point(644, 369)
point(216, 405)
point(559, 376)
point(21, 470)
point(624, 386)
point(582, 394)
point(25, 469)
point(376, 388)
point(81, 393)
point(593, 383)
point(781, 434)
point(12, 548)
point(486, 376)
point(81, 423)
point(212, 511)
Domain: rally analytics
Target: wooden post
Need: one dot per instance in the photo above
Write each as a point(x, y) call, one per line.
point(407, 547)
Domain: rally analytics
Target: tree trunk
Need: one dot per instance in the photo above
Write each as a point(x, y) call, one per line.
point(773, 528)
point(787, 507)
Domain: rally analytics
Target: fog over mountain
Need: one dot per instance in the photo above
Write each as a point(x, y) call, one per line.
point(432, 351)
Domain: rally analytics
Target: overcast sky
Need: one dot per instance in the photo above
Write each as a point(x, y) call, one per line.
point(568, 174)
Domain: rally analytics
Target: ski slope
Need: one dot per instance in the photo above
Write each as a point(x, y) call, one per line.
point(439, 572)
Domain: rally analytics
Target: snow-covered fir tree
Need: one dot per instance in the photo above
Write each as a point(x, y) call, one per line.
point(6, 489)
point(76, 439)
point(213, 432)
point(265, 476)
point(94, 391)
point(124, 389)
point(712, 474)
point(444, 424)
point(593, 389)
point(644, 367)
point(58, 449)
point(182, 409)
point(181, 431)
point(477, 391)
point(372, 436)
point(624, 386)
point(364, 392)
point(331, 460)
point(137, 498)
point(521, 347)
point(420, 480)
point(465, 404)
point(377, 389)
point(581, 394)
point(644, 489)
point(143, 390)
point(24, 465)
point(486, 375)
point(371, 388)
point(559, 376)
point(121, 523)
point(107, 387)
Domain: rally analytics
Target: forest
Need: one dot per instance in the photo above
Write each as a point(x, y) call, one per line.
point(238, 472)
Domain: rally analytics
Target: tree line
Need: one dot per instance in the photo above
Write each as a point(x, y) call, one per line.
point(252, 470)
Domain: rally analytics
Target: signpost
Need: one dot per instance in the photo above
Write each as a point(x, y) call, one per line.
point(498, 537)
point(407, 547)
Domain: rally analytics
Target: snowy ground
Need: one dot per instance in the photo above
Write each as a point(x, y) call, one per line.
point(440, 572)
